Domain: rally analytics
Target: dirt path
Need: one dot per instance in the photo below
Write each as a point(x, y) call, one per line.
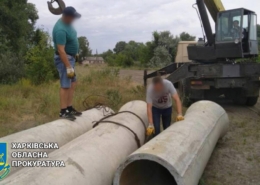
point(236, 158)
point(135, 75)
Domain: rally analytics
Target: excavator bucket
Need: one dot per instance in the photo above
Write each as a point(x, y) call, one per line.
point(59, 10)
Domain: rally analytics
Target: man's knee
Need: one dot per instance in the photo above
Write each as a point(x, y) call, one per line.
point(65, 83)
point(65, 88)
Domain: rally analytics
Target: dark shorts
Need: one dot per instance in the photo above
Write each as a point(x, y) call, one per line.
point(65, 82)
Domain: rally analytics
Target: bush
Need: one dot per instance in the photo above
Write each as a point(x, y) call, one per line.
point(40, 66)
point(120, 60)
point(11, 68)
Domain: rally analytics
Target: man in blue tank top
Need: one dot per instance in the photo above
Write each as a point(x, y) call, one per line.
point(66, 48)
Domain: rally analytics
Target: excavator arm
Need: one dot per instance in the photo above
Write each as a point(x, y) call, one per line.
point(214, 7)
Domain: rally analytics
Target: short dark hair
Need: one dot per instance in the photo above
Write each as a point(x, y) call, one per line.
point(157, 80)
point(236, 21)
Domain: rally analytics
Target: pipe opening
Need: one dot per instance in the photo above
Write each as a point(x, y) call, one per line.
point(145, 172)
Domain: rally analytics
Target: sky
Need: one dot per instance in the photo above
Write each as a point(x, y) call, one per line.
point(105, 22)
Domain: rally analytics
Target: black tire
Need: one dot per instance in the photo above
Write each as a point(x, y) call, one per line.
point(251, 101)
point(184, 92)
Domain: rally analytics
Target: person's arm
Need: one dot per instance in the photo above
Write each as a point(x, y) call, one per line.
point(63, 55)
point(150, 114)
point(178, 103)
point(150, 128)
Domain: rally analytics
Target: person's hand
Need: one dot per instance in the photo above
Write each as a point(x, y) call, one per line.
point(179, 117)
point(150, 130)
point(70, 72)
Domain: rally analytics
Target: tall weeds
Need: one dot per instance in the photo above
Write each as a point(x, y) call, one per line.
point(24, 105)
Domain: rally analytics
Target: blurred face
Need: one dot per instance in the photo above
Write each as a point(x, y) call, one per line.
point(158, 87)
point(69, 19)
point(236, 24)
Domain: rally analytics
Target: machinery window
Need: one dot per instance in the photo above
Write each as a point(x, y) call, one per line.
point(253, 28)
point(229, 26)
point(245, 22)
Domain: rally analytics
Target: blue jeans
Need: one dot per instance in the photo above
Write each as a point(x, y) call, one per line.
point(165, 114)
point(65, 82)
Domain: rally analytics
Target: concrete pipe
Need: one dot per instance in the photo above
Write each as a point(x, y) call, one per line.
point(92, 158)
point(60, 131)
point(179, 155)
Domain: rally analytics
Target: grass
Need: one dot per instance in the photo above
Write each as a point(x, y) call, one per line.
point(24, 105)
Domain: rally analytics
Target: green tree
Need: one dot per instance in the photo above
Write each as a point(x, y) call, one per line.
point(17, 20)
point(17, 36)
point(4, 42)
point(123, 60)
point(144, 54)
point(120, 46)
point(110, 60)
point(39, 66)
point(186, 37)
point(107, 54)
point(161, 57)
point(165, 45)
point(132, 49)
point(11, 67)
point(84, 49)
point(160, 51)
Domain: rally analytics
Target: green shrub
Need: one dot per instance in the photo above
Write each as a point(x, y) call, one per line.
point(120, 60)
point(115, 98)
point(40, 66)
point(11, 68)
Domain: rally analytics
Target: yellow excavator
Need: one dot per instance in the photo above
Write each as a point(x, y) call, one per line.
point(214, 7)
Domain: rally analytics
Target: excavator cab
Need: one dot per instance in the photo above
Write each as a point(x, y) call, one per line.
point(236, 34)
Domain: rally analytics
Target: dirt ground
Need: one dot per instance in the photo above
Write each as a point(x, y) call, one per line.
point(236, 158)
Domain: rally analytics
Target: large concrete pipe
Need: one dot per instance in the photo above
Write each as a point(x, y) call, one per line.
point(92, 158)
point(179, 155)
point(61, 132)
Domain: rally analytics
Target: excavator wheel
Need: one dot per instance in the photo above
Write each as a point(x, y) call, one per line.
point(251, 101)
point(56, 11)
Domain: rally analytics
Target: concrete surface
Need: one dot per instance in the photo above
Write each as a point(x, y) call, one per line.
point(236, 159)
point(92, 158)
point(179, 155)
point(60, 131)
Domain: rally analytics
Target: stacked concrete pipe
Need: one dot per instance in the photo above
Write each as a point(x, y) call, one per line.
point(60, 131)
point(92, 158)
point(179, 155)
